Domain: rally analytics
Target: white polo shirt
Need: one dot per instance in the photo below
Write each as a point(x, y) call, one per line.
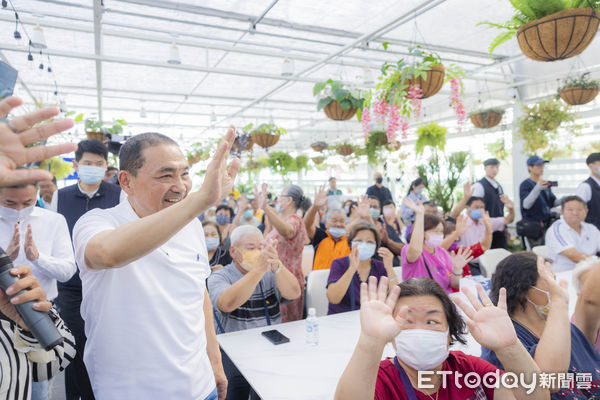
point(560, 237)
point(53, 242)
point(144, 322)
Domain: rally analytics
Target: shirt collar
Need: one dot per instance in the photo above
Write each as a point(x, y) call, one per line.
point(90, 195)
point(492, 182)
point(594, 178)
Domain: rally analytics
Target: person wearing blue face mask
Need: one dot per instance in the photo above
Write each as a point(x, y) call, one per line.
point(224, 218)
point(415, 193)
point(347, 273)
point(538, 306)
point(90, 192)
point(589, 190)
point(218, 253)
point(245, 214)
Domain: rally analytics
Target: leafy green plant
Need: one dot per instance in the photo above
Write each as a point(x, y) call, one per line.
point(487, 111)
point(582, 81)
point(538, 126)
point(301, 163)
point(442, 174)
point(527, 11)
point(94, 125)
point(498, 149)
point(374, 145)
point(335, 90)
point(268, 128)
point(432, 135)
point(283, 163)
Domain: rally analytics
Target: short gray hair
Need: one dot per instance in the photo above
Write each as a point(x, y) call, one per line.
point(242, 231)
point(336, 211)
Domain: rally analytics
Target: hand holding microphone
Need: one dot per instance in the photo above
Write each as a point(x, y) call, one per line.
point(23, 300)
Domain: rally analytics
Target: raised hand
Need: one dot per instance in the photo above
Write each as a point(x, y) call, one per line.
point(363, 207)
point(490, 325)
point(219, 179)
point(321, 197)
point(31, 251)
point(269, 249)
point(507, 201)
point(460, 259)
point(242, 202)
point(462, 224)
point(417, 208)
point(387, 256)
point(15, 244)
point(547, 275)
point(376, 311)
point(354, 261)
point(261, 197)
point(13, 152)
point(467, 190)
point(487, 221)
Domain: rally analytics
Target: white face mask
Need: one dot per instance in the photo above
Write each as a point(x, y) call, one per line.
point(13, 215)
point(422, 349)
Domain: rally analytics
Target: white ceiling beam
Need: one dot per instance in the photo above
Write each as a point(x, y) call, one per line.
point(98, 51)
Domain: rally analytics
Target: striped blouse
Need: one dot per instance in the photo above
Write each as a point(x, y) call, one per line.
point(22, 360)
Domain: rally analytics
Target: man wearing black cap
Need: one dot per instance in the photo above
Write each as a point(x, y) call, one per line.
point(589, 190)
point(491, 191)
point(378, 190)
point(537, 200)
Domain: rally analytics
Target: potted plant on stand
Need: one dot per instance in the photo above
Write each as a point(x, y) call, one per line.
point(95, 129)
point(550, 30)
point(339, 102)
point(580, 90)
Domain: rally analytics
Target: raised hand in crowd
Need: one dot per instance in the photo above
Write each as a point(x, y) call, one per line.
point(20, 131)
point(14, 246)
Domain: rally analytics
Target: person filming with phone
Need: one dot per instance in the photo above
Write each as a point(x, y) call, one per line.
point(247, 293)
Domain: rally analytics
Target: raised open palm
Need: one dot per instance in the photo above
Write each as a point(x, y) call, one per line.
point(416, 207)
point(321, 197)
point(376, 310)
point(490, 325)
point(13, 152)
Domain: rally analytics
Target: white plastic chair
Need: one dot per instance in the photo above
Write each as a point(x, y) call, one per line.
point(489, 260)
point(316, 291)
point(540, 251)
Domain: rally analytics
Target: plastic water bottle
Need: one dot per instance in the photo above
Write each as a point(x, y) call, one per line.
point(312, 328)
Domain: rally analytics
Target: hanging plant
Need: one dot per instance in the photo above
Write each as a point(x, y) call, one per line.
point(498, 149)
point(345, 149)
point(339, 101)
point(95, 129)
point(318, 160)
point(374, 143)
point(281, 163)
point(301, 163)
point(550, 30)
point(488, 118)
point(267, 135)
point(538, 126)
point(432, 135)
point(199, 151)
point(319, 146)
point(580, 90)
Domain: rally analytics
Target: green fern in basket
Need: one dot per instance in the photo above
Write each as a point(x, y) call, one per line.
point(527, 11)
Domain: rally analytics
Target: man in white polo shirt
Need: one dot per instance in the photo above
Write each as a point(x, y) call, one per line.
point(570, 239)
point(143, 266)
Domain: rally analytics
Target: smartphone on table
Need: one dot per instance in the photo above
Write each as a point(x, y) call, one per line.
point(275, 337)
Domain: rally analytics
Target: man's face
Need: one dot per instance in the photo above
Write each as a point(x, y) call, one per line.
point(332, 183)
point(431, 210)
point(574, 212)
point(254, 205)
point(491, 171)
point(246, 243)
point(18, 199)
point(47, 189)
point(595, 168)
point(109, 174)
point(476, 205)
point(374, 203)
point(377, 176)
point(92, 159)
point(163, 180)
point(336, 220)
point(537, 170)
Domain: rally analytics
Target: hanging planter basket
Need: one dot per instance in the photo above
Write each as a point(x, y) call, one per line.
point(318, 160)
point(486, 119)
point(334, 111)
point(345, 150)
point(319, 146)
point(247, 147)
point(194, 159)
point(560, 35)
point(379, 138)
point(95, 135)
point(577, 95)
point(265, 140)
point(432, 84)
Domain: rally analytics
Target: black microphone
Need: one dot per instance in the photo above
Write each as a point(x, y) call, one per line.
point(38, 322)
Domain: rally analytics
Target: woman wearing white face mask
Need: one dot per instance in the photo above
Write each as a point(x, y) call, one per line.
point(539, 308)
point(425, 257)
point(218, 254)
point(290, 234)
point(421, 322)
point(415, 193)
point(347, 273)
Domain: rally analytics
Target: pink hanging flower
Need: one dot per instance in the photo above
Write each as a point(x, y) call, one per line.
point(457, 102)
point(404, 127)
point(393, 122)
point(366, 121)
point(415, 94)
point(381, 109)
